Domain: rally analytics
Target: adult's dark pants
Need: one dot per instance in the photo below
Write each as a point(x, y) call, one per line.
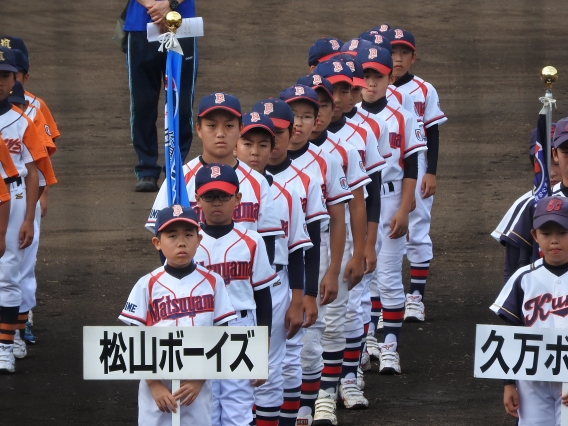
point(146, 68)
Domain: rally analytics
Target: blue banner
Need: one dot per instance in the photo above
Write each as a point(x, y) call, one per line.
point(541, 174)
point(177, 191)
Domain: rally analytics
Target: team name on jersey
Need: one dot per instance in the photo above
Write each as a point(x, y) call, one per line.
point(395, 140)
point(284, 228)
point(537, 310)
point(244, 212)
point(168, 308)
point(14, 145)
point(420, 108)
point(231, 271)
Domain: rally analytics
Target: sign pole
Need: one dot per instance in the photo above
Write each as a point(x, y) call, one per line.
point(176, 417)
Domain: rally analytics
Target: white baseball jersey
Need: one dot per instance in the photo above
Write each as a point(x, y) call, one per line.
point(327, 169)
point(240, 258)
point(289, 206)
point(198, 299)
point(426, 104)
point(534, 297)
point(307, 186)
point(379, 129)
point(400, 97)
point(255, 211)
point(405, 139)
point(18, 133)
point(365, 143)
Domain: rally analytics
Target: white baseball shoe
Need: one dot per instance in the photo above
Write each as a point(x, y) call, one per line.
point(365, 364)
point(360, 379)
point(325, 409)
point(351, 395)
point(304, 420)
point(7, 361)
point(414, 309)
point(373, 347)
point(380, 323)
point(20, 350)
point(389, 360)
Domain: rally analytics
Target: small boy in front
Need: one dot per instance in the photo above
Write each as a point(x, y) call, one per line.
point(239, 255)
point(177, 236)
point(536, 402)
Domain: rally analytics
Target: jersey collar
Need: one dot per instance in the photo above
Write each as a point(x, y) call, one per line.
point(279, 168)
point(404, 79)
point(375, 107)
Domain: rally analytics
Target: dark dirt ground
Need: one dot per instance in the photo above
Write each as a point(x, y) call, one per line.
point(483, 57)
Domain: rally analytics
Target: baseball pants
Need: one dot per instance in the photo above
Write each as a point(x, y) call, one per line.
point(196, 414)
point(233, 399)
point(419, 245)
point(28, 281)
point(539, 403)
point(270, 393)
point(367, 279)
point(10, 263)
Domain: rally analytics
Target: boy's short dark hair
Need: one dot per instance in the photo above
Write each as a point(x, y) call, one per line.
point(324, 92)
point(261, 131)
point(308, 103)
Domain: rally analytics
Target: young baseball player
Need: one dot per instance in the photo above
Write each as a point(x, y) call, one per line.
point(397, 197)
point(427, 108)
point(239, 256)
point(304, 103)
point(536, 402)
point(288, 177)
point(218, 125)
point(177, 236)
point(22, 140)
point(253, 148)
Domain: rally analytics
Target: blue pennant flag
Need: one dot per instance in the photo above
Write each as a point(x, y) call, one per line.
point(177, 191)
point(541, 173)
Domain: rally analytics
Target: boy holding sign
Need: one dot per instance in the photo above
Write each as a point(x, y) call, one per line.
point(176, 294)
point(534, 297)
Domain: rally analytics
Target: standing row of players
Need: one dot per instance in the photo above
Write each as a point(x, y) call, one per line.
point(304, 207)
point(27, 132)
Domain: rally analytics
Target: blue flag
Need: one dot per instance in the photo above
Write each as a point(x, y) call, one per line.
point(541, 173)
point(177, 191)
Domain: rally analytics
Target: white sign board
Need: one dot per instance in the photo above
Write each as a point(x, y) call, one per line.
point(134, 353)
point(190, 27)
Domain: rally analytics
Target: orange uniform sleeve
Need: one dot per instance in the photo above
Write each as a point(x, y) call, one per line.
point(43, 131)
point(6, 160)
point(49, 119)
point(38, 152)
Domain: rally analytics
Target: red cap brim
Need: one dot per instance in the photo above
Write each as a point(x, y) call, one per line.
point(231, 110)
point(327, 57)
point(350, 52)
point(359, 82)
point(280, 123)
point(179, 219)
point(260, 126)
point(407, 43)
point(377, 67)
point(338, 78)
point(303, 98)
point(220, 185)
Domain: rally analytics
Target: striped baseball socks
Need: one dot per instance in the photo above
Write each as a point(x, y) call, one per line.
point(418, 277)
point(392, 320)
point(351, 357)
point(266, 416)
point(309, 393)
point(332, 365)
point(376, 309)
point(8, 324)
point(290, 407)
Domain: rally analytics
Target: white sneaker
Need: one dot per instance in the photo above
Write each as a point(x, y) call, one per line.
point(351, 395)
point(304, 420)
point(390, 360)
point(325, 409)
point(360, 379)
point(20, 350)
point(365, 363)
point(380, 324)
point(414, 309)
point(373, 347)
point(7, 361)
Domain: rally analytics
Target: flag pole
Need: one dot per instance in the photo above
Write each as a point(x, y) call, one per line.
point(548, 75)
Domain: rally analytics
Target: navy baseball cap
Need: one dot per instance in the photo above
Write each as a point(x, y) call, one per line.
point(383, 28)
point(216, 177)
point(173, 214)
point(560, 133)
point(17, 96)
point(277, 110)
point(534, 138)
point(335, 71)
point(323, 49)
point(316, 81)
point(551, 209)
point(256, 119)
point(400, 36)
point(377, 38)
point(300, 92)
point(22, 62)
point(376, 58)
point(352, 46)
point(12, 42)
point(219, 100)
point(7, 60)
point(355, 67)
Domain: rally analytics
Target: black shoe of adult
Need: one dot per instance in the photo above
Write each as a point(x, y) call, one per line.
point(146, 184)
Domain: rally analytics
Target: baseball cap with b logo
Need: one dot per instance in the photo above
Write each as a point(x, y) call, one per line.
point(219, 100)
point(323, 49)
point(173, 214)
point(376, 58)
point(551, 209)
point(355, 67)
point(300, 92)
point(216, 177)
point(277, 110)
point(317, 82)
point(377, 38)
point(255, 119)
point(7, 60)
point(352, 46)
point(335, 71)
point(400, 36)
point(383, 28)
point(560, 133)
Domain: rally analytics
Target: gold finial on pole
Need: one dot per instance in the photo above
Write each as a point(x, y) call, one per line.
point(549, 75)
point(173, 21)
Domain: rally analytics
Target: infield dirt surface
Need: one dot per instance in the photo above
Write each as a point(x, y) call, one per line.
point(484, 58)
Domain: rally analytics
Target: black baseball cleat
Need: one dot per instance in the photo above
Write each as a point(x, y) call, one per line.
point(146, 184)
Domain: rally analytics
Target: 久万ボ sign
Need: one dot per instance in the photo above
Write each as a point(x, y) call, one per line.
point(129, 353)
